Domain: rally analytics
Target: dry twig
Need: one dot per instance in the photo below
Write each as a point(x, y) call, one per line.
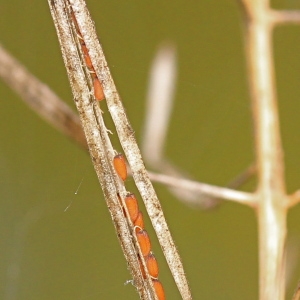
point(40, 98)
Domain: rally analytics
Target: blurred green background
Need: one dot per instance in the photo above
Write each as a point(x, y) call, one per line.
point(46, 253)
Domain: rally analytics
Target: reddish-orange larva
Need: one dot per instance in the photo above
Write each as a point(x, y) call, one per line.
point(152, 265)
point(120, 166)
point(159, 290)
point(132, 207)
point(144, 242)
point(139, 222)
point(98, 93)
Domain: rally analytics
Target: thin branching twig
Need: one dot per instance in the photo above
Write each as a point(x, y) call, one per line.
point(284, 17)
point(296, 295)
point(270, 192)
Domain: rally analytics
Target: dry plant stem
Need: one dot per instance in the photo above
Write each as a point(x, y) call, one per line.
point(294, 199)
point(159, 104)
point(296, 295)
point(127, 140)
point(284, 17)
point(243, 177)
point(40, 98)
point(270, 169)
point(96, 139)
point(206, 189)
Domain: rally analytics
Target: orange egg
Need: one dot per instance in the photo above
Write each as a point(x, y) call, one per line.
point(139, 222)
point(86, 55)
point(152, 265)
point(159, 290)
point(120, 166)
point(144, 242)
point(98, 92)
point(132, 206)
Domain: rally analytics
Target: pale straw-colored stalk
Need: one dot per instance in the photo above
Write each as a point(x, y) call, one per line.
point(272, 200)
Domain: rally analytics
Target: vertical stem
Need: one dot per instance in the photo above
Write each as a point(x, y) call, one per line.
point(271, 187)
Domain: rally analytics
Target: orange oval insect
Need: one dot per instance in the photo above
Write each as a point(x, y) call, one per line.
point(99, 94)
point(144, 242)
point(132, 206)
point(159, 290)
point(152, 265)
point(120, 166)
point(139, 222)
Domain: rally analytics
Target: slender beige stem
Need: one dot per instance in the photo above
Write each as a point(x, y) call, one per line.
point(242, 177)
point(40, 98)
point(206, 189)
point(159, 105)
point(270, 169)
point(294, 198)
point(296, 295)
point(282, 17)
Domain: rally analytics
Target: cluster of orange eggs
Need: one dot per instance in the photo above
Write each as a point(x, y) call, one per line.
point(98, 90)
point(130, 200)
point(142, 236)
